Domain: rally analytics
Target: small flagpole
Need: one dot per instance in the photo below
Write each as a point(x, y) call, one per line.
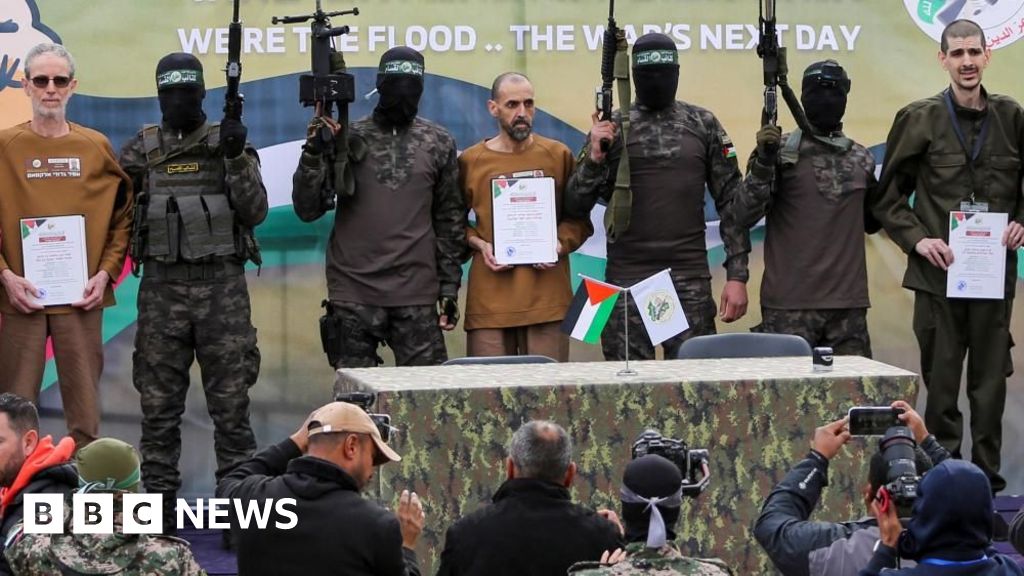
point(627, 371)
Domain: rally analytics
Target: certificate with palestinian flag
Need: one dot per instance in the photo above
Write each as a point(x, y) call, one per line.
point(525, 226)
point(53, 250)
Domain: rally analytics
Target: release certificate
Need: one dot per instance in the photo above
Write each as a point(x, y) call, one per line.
point(525, 231)
point(979, 257)
point(53, 249)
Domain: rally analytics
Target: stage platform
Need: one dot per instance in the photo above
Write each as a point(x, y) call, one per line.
point(755, 417)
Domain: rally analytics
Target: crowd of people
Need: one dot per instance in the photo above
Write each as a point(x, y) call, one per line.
point(184, 197)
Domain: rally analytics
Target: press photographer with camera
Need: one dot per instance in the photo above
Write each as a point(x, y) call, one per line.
point(324, 466)
point(663, 471)
point(799, 547)
point(533, 526)
point(950, 531)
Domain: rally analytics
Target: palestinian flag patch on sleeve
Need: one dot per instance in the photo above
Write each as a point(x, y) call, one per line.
point(728, 150)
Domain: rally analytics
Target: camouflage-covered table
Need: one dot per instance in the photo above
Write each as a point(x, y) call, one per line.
point(755, 416)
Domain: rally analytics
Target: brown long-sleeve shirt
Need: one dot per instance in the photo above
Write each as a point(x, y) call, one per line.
point(523, 295)
point(72, 174)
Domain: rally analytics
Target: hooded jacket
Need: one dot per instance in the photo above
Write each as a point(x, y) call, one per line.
point(47, 470)
point(950, 532)
point(798, 546)
point(338, 532)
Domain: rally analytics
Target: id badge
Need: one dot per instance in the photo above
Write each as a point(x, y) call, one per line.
point(966, 206)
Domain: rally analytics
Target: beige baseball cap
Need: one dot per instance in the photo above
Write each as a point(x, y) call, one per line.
point(345, 417)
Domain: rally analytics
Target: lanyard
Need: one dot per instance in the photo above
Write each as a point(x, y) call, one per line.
point(941, 562)
point(972, 155)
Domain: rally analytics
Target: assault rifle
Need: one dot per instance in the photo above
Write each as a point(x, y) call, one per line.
point(608, 48)
point(773, 58)
point(327, 88)
point(233, 100)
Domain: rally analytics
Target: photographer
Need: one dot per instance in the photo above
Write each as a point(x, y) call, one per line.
point(323, 466)
point(950, 531)
point(799, 547)
point(652, 493)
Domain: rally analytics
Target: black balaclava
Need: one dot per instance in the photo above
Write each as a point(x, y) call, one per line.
point(399, 85)
point(648, 480)
point(655, 70)
point(824, 90)
point(952, 515)
point(180, 89)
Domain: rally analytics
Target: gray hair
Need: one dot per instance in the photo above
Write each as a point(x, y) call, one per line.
point(542, 450)
point(50, 48)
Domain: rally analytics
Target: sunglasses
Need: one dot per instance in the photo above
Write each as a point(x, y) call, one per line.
point(44, 81)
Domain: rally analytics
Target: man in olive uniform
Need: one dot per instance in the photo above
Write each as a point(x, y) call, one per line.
point(675, 148)
point(201, 195)
point(106, 466)
point(814, 196)
point(960, 150)
point(394, 264)
point(651, 496)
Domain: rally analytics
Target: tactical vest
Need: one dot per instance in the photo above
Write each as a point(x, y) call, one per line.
point(188, 215)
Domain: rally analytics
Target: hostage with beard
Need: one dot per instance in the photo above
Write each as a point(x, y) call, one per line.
point(398, 242)
point(517, 309)
point(676, 150)
point(201, 195)
point(812, 190)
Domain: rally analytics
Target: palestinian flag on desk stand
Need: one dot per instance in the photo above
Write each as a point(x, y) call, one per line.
point(590, 309)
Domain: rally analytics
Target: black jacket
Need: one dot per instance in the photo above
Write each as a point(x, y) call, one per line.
point(799, 547)
point(531, 528)
point(337, 531)
point(58, 479)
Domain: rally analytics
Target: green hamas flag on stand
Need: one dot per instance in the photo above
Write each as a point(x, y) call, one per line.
point(590, 309)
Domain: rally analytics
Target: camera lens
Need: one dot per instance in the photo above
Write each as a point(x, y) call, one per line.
point(897, 447)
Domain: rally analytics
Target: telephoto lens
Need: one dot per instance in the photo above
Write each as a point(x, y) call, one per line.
point(897, 448)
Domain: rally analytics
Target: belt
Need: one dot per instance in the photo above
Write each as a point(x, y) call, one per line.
point(184, 271)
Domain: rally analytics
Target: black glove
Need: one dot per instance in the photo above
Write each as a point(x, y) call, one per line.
point(448, 306)
point(232, 137)
point(768, 140)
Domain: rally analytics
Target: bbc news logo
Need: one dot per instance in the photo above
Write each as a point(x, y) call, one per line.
point(143, 514)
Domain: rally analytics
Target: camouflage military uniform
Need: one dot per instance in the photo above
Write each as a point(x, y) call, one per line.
point(813, 199)
point(117, 553)
point(192, 305)
point(398, 240)
point(666, 562)
point(673, 153)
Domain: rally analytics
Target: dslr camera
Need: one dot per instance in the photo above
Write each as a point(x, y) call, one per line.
point(692, 462)
point(898, 450)
point(364, 400)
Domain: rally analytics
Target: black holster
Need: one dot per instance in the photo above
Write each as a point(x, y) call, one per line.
point(330, 334)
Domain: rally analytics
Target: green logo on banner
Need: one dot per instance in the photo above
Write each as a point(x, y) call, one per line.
point(927, 9)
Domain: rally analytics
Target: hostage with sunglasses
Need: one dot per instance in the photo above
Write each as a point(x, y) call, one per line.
point(322, 468)
point(53, 168)
point(200, 196)
point(812, 190)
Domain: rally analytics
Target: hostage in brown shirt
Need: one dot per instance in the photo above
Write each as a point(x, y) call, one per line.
point(516, 309)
